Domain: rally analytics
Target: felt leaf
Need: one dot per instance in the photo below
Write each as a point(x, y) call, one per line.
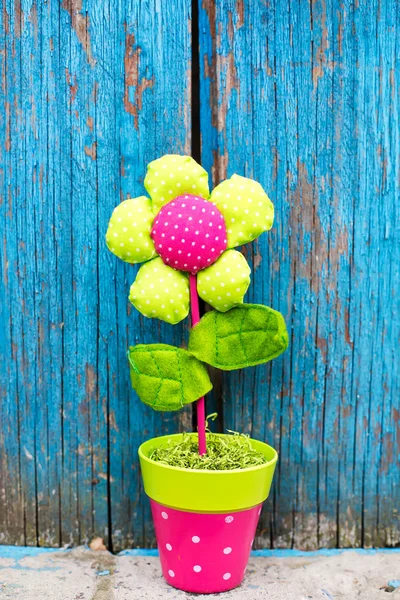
point(244, 336)
point(224, 283)
point(160, 292)
point(128, 233)
point(246, 208)
point(173, 175)
point(166, 377)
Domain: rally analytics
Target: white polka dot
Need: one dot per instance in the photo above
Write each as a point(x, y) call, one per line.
point(226, 576)
point(227, 550)
point(169, 547)
point(197, 568)
point(172, 574)
point(164, 514)
point(195, 539)
point(228, 519)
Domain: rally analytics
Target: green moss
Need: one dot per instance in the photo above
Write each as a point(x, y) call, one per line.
point(224, 453)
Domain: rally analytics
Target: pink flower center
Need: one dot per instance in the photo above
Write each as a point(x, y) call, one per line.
point(189, 233)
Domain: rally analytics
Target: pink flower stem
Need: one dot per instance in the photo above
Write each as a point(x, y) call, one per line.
point(200, 404)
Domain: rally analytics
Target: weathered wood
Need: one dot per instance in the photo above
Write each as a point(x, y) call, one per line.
point(92, 93)
point(304, 97)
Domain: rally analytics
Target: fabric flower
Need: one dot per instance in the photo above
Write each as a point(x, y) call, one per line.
point(183, 229)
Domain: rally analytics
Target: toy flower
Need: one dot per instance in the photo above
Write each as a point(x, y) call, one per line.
point(182, 229)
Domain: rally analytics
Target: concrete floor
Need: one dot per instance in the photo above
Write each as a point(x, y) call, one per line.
point(82, 574)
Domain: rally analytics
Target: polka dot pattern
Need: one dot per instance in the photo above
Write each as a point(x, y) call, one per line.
point(246, 208)
point(173, 175)
point(160, 292)
point(224, 284)
point(204, 553)
point(189, 233)
point(128, 233)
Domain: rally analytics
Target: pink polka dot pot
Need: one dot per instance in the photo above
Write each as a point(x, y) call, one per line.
point(205, 521)
point(204, 553)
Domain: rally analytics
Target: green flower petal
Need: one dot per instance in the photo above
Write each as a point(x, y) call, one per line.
point(246, 208)
point(173, 175)
point(160, 292)
point(224, 283)
point(128, 233)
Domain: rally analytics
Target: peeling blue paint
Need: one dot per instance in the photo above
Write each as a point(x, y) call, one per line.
point(302, 96)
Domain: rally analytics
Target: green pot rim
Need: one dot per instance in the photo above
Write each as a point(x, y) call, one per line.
point(204, 490)
point(209, 471)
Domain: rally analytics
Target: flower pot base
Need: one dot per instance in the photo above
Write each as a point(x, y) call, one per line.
point(204, 553)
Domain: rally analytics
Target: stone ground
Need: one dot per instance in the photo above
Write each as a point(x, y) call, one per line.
point(82, 574)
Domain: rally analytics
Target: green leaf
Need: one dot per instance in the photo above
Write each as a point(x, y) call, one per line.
point(247, 335)
point(166, 377)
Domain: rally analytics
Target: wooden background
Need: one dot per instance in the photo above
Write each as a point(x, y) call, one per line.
point(304, 97)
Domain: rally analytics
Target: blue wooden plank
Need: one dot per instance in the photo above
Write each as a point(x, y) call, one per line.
point(304, 98)
point(11, 515)
point(99, 90)
point(154, 82)
point(20, 251)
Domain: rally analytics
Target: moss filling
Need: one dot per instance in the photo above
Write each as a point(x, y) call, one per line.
point(223, 453)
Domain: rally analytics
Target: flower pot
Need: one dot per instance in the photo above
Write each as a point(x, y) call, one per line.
point(205, 521)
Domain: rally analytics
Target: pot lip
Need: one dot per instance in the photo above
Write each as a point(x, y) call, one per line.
point(206, 471)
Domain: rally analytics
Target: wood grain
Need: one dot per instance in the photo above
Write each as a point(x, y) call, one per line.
point(304, 97)
point(92, 93)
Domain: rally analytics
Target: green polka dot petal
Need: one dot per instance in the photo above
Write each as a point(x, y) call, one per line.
point(223, 284)
point(160, 292)
point(246, 208)
point(173, 175)
point(128, 233)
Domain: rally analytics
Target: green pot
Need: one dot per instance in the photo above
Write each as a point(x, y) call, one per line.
point(206, 491)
